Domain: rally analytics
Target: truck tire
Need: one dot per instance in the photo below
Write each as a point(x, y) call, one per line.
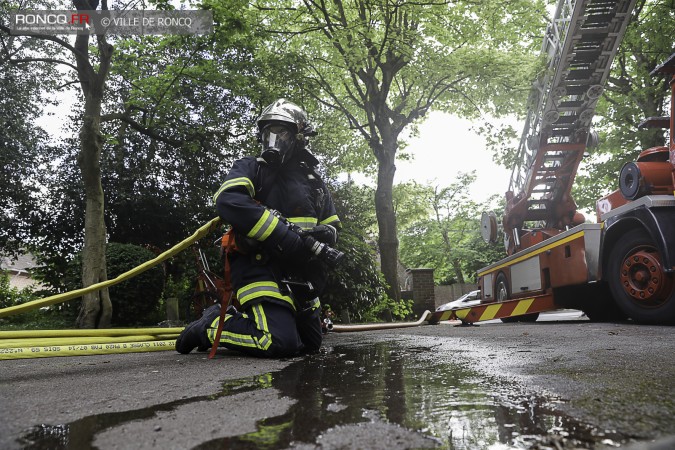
point(503, 293)
point(641, 287)
point(603, 308)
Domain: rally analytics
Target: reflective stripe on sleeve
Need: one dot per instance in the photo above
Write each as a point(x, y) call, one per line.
point(315, 304)
point(304, 222)
point(333, 218)
point(264, 227)
point(241, 181)
point(262, 289)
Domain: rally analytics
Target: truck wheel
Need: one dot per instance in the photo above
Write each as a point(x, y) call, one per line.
point(502, 290)
point(640, 285)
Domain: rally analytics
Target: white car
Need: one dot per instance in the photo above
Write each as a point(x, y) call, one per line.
point(465, 301)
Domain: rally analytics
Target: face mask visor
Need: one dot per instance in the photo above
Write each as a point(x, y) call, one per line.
point(278, 142)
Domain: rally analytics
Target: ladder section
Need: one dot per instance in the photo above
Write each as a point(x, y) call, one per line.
point(580, 45)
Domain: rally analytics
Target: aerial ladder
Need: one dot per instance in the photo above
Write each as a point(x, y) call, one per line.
point(621, 267)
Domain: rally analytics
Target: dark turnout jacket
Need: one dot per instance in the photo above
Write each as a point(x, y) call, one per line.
point(269, 251)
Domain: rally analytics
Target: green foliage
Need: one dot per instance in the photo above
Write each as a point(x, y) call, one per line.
point(443, 231)
point(135, 301)
point(356, 285)
point(11, 296)
point(478, 254)
point(181, 287)
point(43, 318)
point(409, 203)
point(400, 310)
point(178, 288)
point(465, 57)
point(182, 274)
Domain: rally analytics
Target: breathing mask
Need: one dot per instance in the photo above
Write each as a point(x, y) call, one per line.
point(278, 143)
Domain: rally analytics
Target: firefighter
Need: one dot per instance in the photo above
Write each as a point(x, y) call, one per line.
point(285, 225)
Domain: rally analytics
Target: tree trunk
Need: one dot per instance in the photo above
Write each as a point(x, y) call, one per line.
point(458, 270)
point(386, 221)
point(96, 309)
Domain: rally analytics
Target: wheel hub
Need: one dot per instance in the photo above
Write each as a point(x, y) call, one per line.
point(643, 278)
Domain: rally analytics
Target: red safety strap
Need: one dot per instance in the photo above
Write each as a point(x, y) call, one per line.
point(228, 245)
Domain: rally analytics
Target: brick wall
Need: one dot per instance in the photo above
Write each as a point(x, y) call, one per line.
point(422, 290)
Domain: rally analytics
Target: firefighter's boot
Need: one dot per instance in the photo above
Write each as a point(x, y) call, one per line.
point(194, 335)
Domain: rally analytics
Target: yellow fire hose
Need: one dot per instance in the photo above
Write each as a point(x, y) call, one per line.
point(49, 343)
point(21, 334)
point(85, 349)
point(60, 298)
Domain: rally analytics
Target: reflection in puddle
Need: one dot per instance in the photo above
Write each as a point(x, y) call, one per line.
point(396, 384)
point(384, 384)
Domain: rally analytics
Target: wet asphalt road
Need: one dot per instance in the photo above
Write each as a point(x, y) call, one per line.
point(616, 381)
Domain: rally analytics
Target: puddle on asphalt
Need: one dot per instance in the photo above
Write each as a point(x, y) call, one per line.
point(384, 381)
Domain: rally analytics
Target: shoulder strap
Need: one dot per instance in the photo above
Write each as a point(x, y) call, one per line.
point(264, 180)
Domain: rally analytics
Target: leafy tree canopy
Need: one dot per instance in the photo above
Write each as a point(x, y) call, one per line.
point(441, 230)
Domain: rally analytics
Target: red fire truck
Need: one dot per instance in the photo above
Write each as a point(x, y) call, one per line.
point(623, 266)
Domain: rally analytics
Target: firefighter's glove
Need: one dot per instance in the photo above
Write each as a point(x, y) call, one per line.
point(324, 233)
point(292, 248)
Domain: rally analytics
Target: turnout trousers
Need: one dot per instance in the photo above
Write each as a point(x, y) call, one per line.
point(268, 329)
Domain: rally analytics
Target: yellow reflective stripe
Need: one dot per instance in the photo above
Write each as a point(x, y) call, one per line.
point(265, 340)
point(241, 181)
point(445, 315)
point(569, 238)
point(260, 319)
point(262, 289)
point(303, 222)
point(462, 313)
point(243, 340)
point(264, 227)
point(490, 312)
point(315, 304)
point(213, 329)
point(522, 307)
point(330, 219)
